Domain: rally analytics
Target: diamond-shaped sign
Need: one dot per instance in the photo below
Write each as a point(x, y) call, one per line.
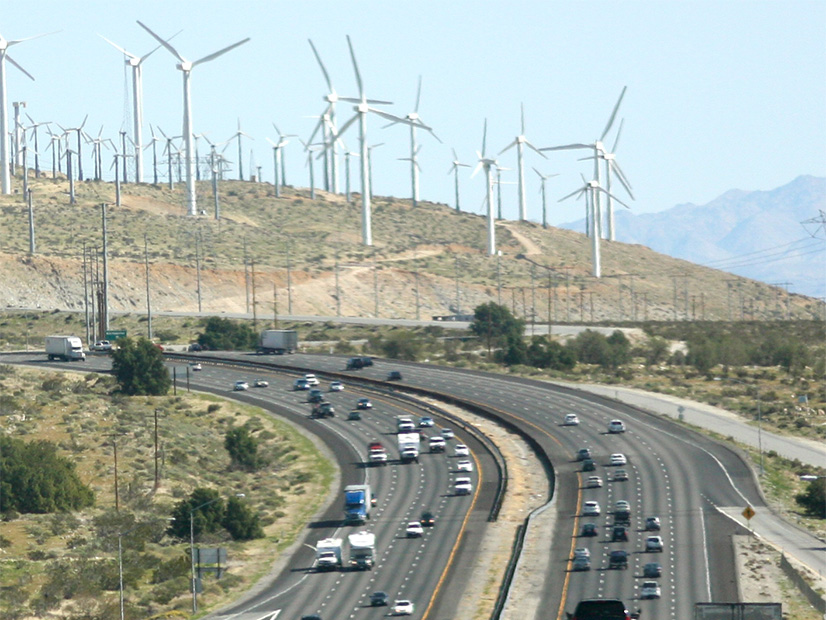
point(748, 513)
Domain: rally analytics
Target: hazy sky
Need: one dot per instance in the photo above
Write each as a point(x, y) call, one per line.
point(721, 95)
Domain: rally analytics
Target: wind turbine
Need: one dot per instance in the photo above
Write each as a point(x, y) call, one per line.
point(347, 155)
point(590, 189)
point(454, 168)
point(238, 135)
point(33, 127)
point(598, 149)
point(154, 144)
point(328, 120)
point(362, 109)
point(310, 149)
point(278, 159)
point(79, 131)
point(5, 177)
point(487, 164)
point(612, 167)
point(519, 142)
point(96, 152)
point(499, 183)
point(186, 67)
point(544, 177)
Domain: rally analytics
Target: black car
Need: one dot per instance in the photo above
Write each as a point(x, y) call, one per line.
point(394, 375)
point(315, 396)
point(602, 609)
point(355, 363)
point(618, 559)
point(427, 520)
point(584, 453)
point(589, 465)
point(652, 569)
point(622, 517)
point(590, 529)
point(311, 617)
point(619, 534)
point(378, 599)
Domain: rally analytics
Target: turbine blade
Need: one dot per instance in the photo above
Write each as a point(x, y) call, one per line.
point(14, 62)
point(476, 170)
point(323, 68)
point(576, 191)
point(418, 94)
point(536, 149)
point(356, 68)
point(622, 179)
point(118, 47)
point(522, 107)
point(619, 133)
point(37, 36)
point(215, 55)
point(510, 146)
point(171, 49)
point(613, 114)
point(565, 147)
point(484, 137)
point(85, 118)
point(148, 54)
point(607, 193)
point(346, 125)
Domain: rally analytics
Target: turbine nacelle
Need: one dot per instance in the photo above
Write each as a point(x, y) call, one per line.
point(185, 66)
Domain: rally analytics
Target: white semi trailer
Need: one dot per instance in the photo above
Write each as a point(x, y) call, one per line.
point(66, 348)
point(278, 341)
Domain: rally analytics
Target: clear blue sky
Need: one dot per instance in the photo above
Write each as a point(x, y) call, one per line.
point(721, 95)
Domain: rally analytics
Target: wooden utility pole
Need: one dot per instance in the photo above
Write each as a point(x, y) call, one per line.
point(254, 299)
point(148, 300)
point(157, 484)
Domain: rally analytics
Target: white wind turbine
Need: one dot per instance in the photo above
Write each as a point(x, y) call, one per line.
point(591, 189)
point(327, 121)
point(454, 168)
point(487, 164)
point(79, 151)
point(544, 177)
point(598, 149)
point(33, 127)
point(186, 67)
point(519, 142)
point(5, 177)
point(137, 100)
point(612, 168)
point(362, 109)
point(237, 135)
point(278, 159)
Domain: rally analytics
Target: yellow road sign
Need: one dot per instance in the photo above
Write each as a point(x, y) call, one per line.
point(748, 513)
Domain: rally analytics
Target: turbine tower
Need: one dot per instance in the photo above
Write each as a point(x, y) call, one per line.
point(415, 121)
point(519, 142)
point(5, 178)
point(186, 67)
point(238, 135)
point(454, 168)
point(487, 164)
point(278, 159)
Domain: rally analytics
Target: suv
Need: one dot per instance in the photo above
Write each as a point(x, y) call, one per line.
point(654, 544)
point(602, 609)
point(616, 426)
point(394, 375)
point(377, 599)
point(618, 559)
point(619, 534)
point(584, 453)
point(316, 396)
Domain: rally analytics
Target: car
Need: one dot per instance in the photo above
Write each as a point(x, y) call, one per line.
point(571, 419)
point(301, 384)
point(464, 465)
point(355, 363)
point(261, 383)
point(620, 475)
point(618, 459)
point(654, 544)
point(461, 450)
point(323, 409)
point(594, 482)
point(581, 563)
point(195, 366)
point(195, 346)
point(602, 609)
point(591, 508)
point(619, 534)
point(582, 552)
point(622, 506)
point(311, 617)
point(426, 422)
point(436, 443)
point(394, 375)
point(463, 486)
point(378, 599)
point(447, 433)
point(618, 559)
point(240, 386)
point(652, 524)
point(616, 426)
point(364, 403)
point(414, 529)
point(589, 465)
point(622, 517)
point(315, 396)
point(311, 379)
point(650, 589)
point(102, 345)
point(652, 569)
point(402, 607)
point(336, 386)
point(589, 529)
point(584, 453)
point(355, 414)
point(427, 520)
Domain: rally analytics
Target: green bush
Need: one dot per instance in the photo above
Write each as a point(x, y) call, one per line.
point(243, 449)
point(139, 368)
point(225, 335)
point(241, 522)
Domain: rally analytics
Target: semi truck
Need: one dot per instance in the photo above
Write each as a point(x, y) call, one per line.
point(66, 348)
point(278, 341)
point(362, 550)
point(357, 503)
point(328, 554)
point(409, 447)
point(377, 453)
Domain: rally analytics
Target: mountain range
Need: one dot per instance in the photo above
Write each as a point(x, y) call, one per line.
point(776, 236)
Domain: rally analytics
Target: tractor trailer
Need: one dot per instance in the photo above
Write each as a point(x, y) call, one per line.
point(66, 348)
point(357, 502)
point(278, 341)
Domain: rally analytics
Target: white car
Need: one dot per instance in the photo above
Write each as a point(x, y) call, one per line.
point(261, 383)
point(618, 459)
point(195, 366)
point(102, 345)
point(402, 607)
point(654, 543)
point(464, 465)
point(594, 482)
point(591, 508)
point(571, 419)
point(447, 433)
point(582, 552)
point(336, 386)
point(622, 506)
point(463, 486)
point(311, 379)
point(650, 589)
point(240, 386)
point(461, 450)
point(616, 426)
point(414, 529)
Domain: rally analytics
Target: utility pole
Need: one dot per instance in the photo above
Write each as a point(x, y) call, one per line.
point(289, 282)
point(498, 277)
point(274, 306)
point(157, 484)
point(246, 277)
point(338, 289)
point(254, 300)
point(32, 248)
point(533, 299)
point(567, 295)
point(117, 493)
point(376, 285)
point(85, 294)
point(198, 268)
point(633, 299)
point(148, 300)
point(105, 307)
point(581, 305)
point(674, 283)
point(550, 306)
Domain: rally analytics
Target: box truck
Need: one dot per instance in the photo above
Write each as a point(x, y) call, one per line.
point(66, 348)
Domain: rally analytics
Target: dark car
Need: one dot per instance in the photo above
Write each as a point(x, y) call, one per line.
point(378, 599)
point(364, 403)
point(315, 396)
point(394, 375)
point(589, 465)
point(355, 363)
point(618, 559)
point(584, 453)
point(619, 534)
point(652, 569)
point(427, 520)
point(622, 517)
point(590, 529)
point(602, 609)
point(652, 524)
point(311, 617)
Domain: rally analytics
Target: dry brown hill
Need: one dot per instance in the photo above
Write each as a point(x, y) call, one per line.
point(432, 249)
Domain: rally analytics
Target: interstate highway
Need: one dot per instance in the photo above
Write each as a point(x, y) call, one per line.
point(417, 569)
point(675, 474)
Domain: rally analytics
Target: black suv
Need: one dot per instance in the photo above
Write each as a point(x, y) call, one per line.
point(378, 599)
point(394, 375)
point(602, 609)
point(619, 534)
point(618, 559)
